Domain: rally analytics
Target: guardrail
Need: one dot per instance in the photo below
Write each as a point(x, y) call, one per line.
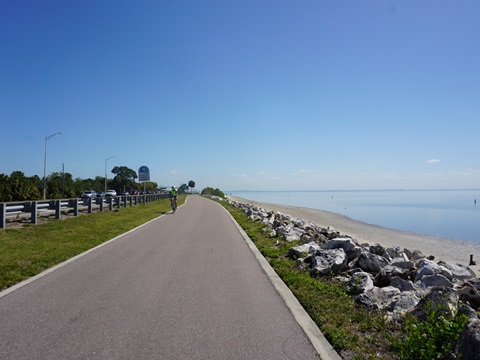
point(34, 209)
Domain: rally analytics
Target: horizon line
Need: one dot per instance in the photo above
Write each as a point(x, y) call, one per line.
point(440, 189)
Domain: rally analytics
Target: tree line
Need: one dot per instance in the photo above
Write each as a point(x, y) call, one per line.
point(59, 185)
point(213, 192)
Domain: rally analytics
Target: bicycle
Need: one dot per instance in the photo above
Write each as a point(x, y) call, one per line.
point(173, 203)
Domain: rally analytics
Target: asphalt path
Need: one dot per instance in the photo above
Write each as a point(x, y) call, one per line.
point(183, 286)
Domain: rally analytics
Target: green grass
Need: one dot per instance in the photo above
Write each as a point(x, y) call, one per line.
point(433, 338)
point(354, 331)
point(27, 251)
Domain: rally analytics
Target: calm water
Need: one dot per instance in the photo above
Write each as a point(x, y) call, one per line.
point(446, 213)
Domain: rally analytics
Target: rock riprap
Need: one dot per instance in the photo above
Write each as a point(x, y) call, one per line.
point(392, 280)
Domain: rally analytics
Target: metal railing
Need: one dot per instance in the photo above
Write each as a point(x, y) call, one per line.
point(35, 209)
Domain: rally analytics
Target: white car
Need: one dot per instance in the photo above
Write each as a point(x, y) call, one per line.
point(89, 194)
point(112, 193)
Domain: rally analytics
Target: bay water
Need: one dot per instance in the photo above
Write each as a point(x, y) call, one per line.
point(453, 214)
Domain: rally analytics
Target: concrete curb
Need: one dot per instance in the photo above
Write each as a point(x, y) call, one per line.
point(318, 340)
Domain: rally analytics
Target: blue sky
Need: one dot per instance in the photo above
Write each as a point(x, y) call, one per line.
point(250, 94)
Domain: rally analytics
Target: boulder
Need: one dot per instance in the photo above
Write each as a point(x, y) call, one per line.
point(371, 263)
point(470, 295)
point(408, 253)
point(281, 230)
point(458, 271)
point(435, 280)
point(442, 300)
point(403, 262)
point(311, 235)
point(468, 346)
point(402, 284)
point(417, 255)
point(302, 250)
point(475, 283)
point(292, 235)
point(405, 302)
point(359, 283)
point(298, 251)
point(330, 233)
point(271, 218)
point(395, 252)
point(254, 217)
point(388, 272)
point(345, 243)
point(378, 298)
point(378, 249)
point(329, 262)
point(427, 267)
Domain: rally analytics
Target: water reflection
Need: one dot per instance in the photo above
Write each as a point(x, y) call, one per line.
point(446, 213)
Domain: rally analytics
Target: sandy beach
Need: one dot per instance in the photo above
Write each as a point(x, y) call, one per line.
point(450, 251)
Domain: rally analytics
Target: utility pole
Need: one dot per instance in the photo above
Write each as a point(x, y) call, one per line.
point(111, 157)
point(45, 165)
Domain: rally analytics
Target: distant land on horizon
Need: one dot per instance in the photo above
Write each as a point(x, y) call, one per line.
point(345, 190)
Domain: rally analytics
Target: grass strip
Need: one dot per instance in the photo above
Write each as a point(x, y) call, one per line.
point(353, 331)
point(29, 250)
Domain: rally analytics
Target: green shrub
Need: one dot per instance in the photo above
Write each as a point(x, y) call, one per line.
point(208, 191)
point(433, 338)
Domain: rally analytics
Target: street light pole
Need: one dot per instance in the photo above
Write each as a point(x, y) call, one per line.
point(45, 165)
point(106, 171)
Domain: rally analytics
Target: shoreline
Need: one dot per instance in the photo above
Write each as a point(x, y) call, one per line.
point(444, 249)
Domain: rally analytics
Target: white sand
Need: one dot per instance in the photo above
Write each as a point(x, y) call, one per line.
point(448, 250)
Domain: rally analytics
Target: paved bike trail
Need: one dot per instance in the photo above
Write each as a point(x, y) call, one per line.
point(183, 286)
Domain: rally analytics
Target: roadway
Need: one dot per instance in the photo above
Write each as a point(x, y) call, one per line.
point(183, 286)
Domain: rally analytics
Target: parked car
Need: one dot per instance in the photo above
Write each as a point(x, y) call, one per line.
point(100, 194)
point(110, 193)
point(89, 194)
point(125, 193)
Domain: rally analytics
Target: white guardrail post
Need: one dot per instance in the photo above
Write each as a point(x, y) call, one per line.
point(34, 212)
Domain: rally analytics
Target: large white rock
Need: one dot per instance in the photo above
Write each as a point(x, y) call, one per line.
point(427, 267)
point(359, 283)
point(372, 263)
point(328, 262)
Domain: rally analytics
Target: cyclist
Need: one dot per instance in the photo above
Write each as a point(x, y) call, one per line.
point(173, 198)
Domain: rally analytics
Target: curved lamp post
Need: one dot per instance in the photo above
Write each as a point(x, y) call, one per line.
point(106, 172)
point(45, 164)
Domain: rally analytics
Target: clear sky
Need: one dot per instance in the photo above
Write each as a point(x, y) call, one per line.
point(245, 94)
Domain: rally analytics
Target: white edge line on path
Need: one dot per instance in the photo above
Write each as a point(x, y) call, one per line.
point(58, 266)
point(316, 337)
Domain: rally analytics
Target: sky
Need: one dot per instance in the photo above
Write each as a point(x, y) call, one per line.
point(244, 94)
